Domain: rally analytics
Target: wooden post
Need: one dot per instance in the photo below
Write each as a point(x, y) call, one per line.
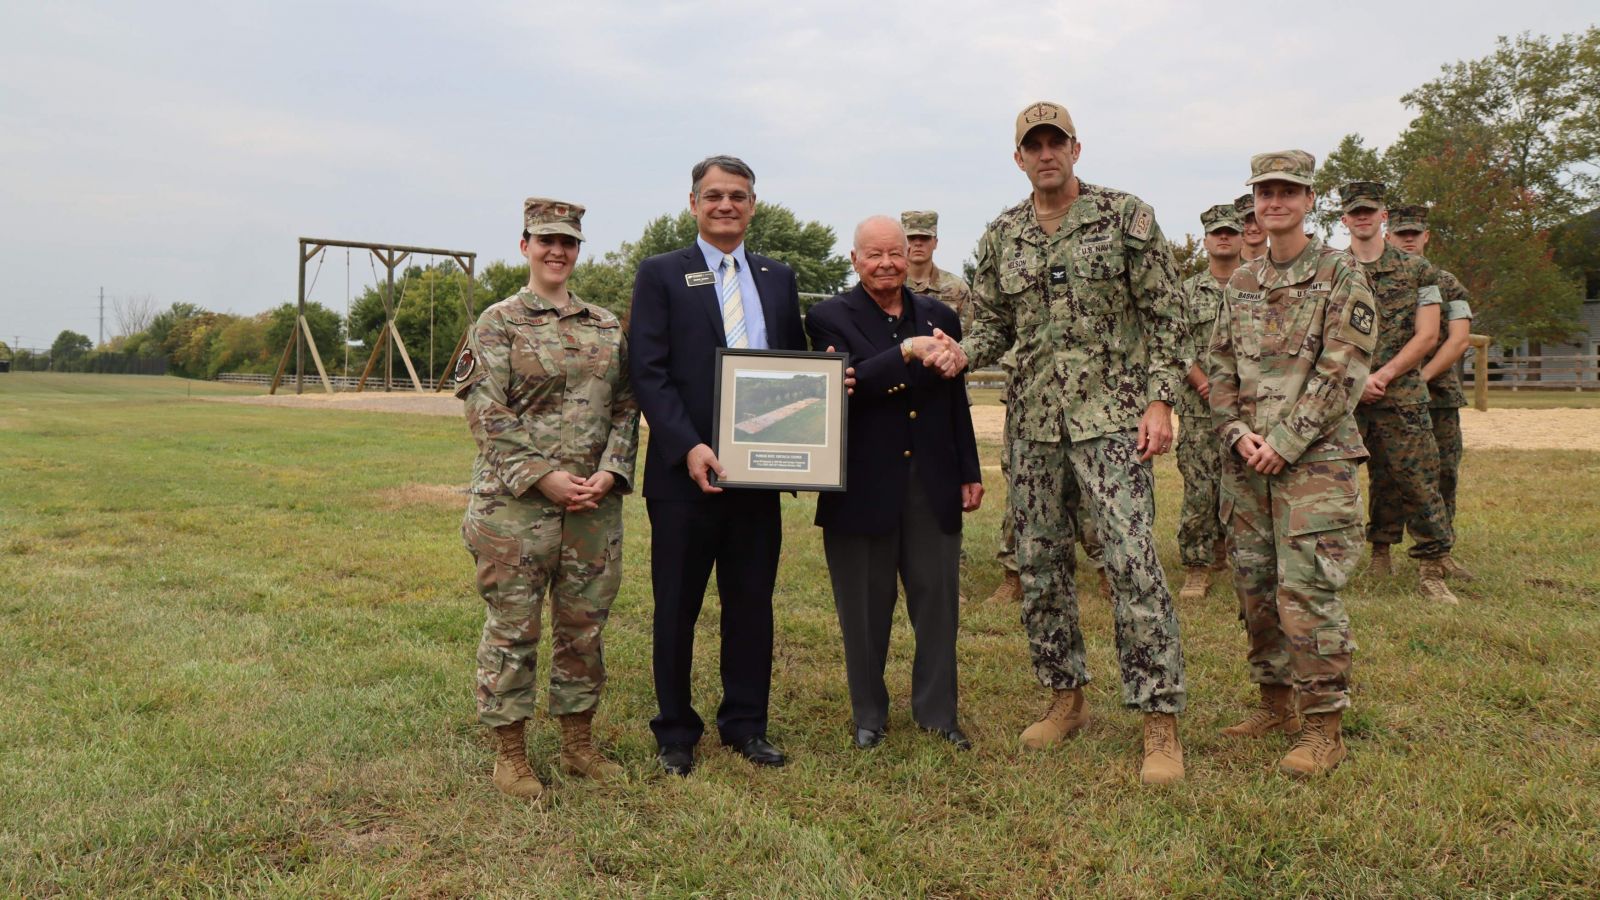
point(1480, 371)
point(294, 334)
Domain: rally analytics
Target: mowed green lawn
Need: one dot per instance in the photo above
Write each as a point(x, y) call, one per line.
point(237, 649)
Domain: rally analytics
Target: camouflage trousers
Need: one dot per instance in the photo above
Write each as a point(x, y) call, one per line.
point(1295, 538)
point(1200, 535)
point(1119, 490)
point(1447, 435)
point(525, 548)
point(1081, 519)
point(1404, 479)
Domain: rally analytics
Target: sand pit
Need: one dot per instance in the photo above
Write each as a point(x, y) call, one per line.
point(1497, 429)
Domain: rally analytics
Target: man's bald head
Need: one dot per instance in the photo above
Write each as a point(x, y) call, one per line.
point(877, 229)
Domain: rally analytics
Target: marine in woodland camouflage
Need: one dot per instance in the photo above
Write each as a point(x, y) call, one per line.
point(1288, 359)
point(545, 388)
point(1403, 471)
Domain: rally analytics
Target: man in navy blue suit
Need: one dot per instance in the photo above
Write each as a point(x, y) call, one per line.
point(912, 468)
point(686, 304)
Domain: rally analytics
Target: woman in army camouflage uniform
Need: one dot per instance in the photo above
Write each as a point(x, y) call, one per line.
point(545, 380)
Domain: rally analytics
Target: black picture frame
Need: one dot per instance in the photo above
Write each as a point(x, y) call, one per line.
point(799, 450)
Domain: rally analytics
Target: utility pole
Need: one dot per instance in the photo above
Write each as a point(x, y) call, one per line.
point(102, 318)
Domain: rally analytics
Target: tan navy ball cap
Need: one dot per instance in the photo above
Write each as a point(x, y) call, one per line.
point(1221, 216)
point(541, 215)
point(1408, 218)
point(1293, 166)
point(1044, 113)
point(920, 223)
point(1362, 195)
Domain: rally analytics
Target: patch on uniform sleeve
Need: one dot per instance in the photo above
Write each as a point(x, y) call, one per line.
point(1361, 317)
point(465, 365)
point(1143, 221)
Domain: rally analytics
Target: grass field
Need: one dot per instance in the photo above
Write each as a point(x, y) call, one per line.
point(238, 649)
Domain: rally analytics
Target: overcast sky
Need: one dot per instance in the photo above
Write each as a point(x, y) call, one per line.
point(178, 150)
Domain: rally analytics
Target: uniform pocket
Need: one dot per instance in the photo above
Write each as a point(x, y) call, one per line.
point(1324, 511)
point(1333, 640)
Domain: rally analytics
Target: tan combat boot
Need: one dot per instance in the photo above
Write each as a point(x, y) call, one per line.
point(1430, 575)
point(1382, 565)
point(1163, 755)
point(1196, 581)
point(578, 753)
point(512, 774)
point(1319, 750)
point(1067, 714)
point(1009, 591)
point(1453, 570)
point(1275, 712)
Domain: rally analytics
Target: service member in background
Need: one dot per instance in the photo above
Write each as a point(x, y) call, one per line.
point(1201, 544)
point(545, 380)
point(1079, 278)
point(922, 276)
point(1287, 361)
point(1254, 237)
point(1408, 230)
point(1403, 470)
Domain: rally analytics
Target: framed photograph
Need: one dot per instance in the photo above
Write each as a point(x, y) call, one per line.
point(779, 420)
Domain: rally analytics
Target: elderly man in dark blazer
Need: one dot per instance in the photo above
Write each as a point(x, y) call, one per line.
point(686, 304)
point(912, 470)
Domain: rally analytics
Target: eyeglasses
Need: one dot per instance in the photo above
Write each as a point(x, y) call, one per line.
point(715, 198)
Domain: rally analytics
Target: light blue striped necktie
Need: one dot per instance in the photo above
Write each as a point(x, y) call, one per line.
point(732, 303)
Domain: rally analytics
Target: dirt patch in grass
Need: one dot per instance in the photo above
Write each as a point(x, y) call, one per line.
point(1497, 429)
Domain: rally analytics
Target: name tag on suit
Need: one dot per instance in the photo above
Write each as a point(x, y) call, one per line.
point(699, 279)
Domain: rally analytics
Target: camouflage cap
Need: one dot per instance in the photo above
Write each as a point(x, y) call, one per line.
point(1245, 206)
point(1293, 166)
point(920, 223)
point(1221, 216)
point(1044, 113)
point(541, 215)
point(1408, 218)
point(1362, 195)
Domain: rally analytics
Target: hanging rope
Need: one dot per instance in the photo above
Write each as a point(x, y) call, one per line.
point(320, 255)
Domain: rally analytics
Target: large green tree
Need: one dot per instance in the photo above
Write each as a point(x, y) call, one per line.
point(1503, 149)
point(70, 345)
point(327, 327)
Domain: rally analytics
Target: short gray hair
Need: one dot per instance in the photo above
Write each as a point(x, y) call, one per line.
point(730, 164)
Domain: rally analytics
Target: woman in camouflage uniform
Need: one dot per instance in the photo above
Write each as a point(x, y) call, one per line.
point(545, 380)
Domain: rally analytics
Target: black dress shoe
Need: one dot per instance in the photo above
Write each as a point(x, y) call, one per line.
point(954, 735)
point(677, 759)
point(867, 738)
point(756, 749)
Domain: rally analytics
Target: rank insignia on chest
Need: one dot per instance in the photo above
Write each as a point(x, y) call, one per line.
point(465, 365)
point(699, 279)
point(1272, 324)
point(1058, 274)
point(1361, 317)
